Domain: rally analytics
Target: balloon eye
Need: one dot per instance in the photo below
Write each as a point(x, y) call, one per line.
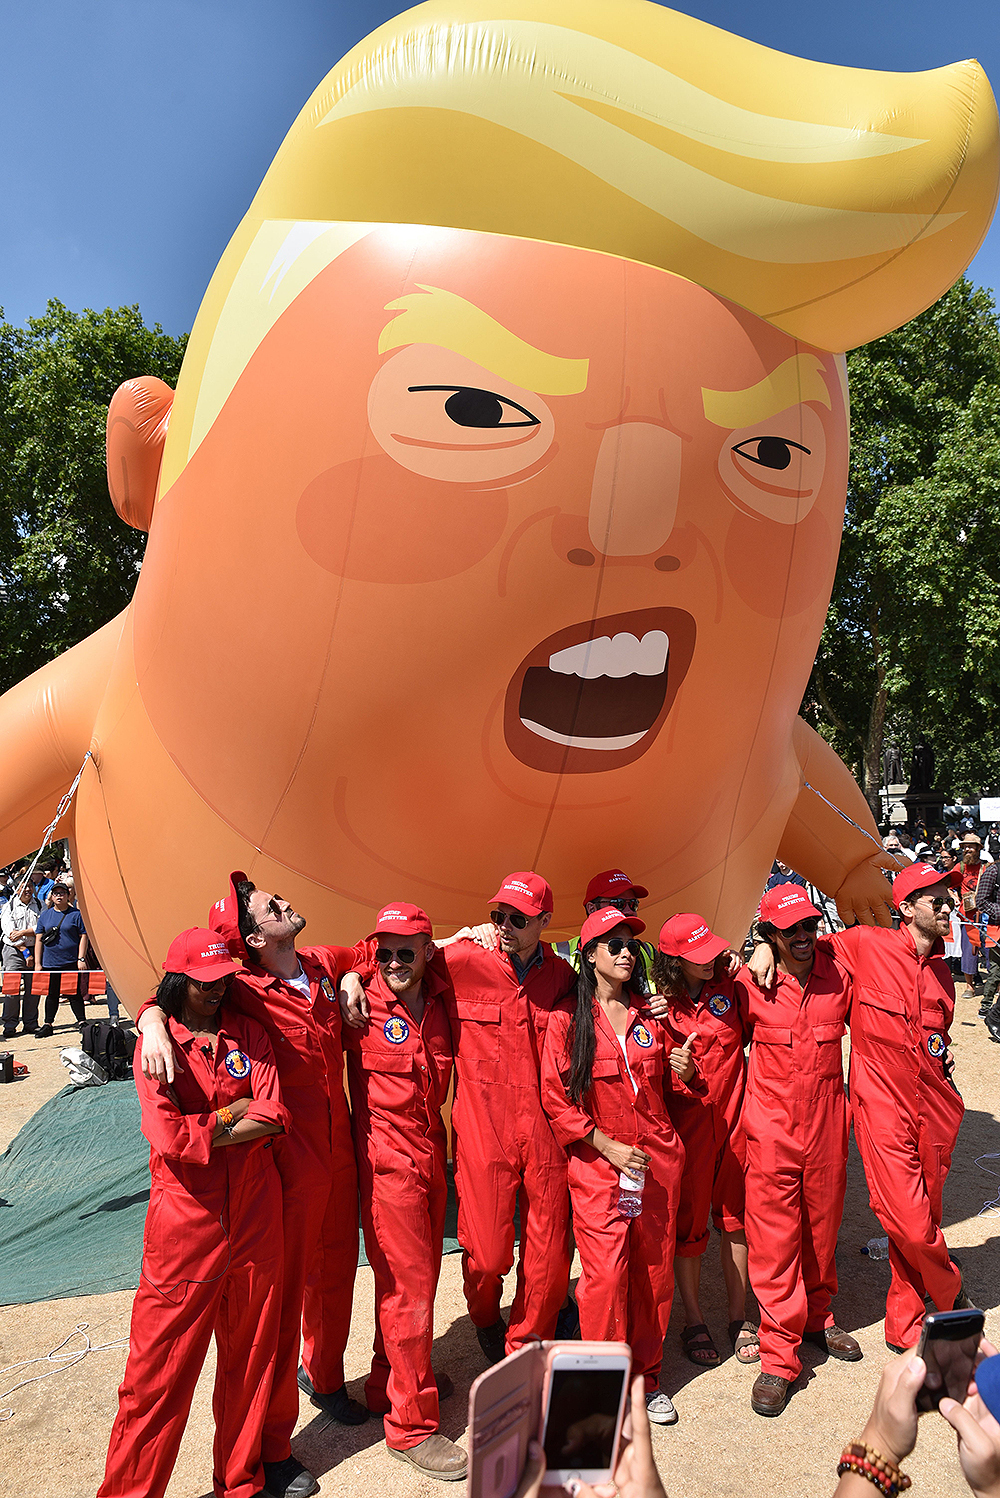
point(468, 407)
point(772, 452)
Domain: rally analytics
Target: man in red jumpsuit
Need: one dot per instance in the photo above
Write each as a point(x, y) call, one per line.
point(399, 1070)
point(293, 994)
point(795, 1123)
point(502, 1142)
point(907, 1110)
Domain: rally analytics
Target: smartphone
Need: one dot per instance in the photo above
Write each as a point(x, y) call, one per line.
point(583, 1404)
point(948, 1345)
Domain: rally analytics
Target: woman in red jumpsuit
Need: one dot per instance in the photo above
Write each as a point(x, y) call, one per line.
point(212, 1244)
point(690, 970)
point(603, 1089)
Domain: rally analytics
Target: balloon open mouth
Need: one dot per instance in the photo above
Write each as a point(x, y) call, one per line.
point(594, 696)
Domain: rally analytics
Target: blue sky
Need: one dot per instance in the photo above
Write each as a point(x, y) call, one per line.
point(137, 133)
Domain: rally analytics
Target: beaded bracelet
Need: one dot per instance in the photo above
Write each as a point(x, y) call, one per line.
point(877, 1469)
point(225, 1117)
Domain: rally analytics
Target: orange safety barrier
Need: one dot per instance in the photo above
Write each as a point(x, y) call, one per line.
point(32, 982)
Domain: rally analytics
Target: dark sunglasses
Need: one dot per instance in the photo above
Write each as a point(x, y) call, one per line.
point(402, 954)
point(614, 945)
point(210, 983)
point(516, 918)
point(942, 902)
point(809, 926)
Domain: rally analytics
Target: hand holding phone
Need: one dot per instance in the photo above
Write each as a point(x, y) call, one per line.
point(583, 1405)
point(949, 1345)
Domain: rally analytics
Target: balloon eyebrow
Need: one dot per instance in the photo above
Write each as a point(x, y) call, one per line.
point(449, 321)
point(797, 380)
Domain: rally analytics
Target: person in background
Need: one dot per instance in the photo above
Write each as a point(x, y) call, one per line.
point(782, 873)
point(18, 919)
point(603, 1080)
point(213, 1244)
point(988, 905)
point(60, 946)
point(964, 878)
point(690, 970)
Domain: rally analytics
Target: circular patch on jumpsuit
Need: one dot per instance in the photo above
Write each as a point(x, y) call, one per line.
point(719, 1003)
point(396, 1029)
point(936, 1045)
point(642, 1037)
point(237, 1064)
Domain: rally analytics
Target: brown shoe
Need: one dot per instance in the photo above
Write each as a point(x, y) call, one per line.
point(435, 1457)
point(837, 1343)
point(769, 1394)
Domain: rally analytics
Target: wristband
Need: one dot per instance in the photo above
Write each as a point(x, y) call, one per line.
point(877, 1469)
point(225, 1117)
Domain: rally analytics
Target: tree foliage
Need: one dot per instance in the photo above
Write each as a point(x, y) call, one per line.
point(911, 646)
point(67, 563)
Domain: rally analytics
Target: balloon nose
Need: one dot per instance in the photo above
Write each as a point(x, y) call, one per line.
point(633, 498)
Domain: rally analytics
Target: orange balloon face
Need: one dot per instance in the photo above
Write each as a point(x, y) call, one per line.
point(500, 555)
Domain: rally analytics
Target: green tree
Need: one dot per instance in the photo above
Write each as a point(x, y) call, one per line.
point(912, 642)
point(67, 563)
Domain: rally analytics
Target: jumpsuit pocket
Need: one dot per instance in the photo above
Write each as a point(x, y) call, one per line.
point(830, 1055)
point(883, 1018)
point(291, 1052)
point(400, 1064)
point(770, 1053)
point(477, 1041)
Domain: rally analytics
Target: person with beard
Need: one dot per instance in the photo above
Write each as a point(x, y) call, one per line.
point(795, 1123)
point(399, 1069)
point(293, 994)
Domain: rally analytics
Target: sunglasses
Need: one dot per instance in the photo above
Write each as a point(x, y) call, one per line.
point(274, 905)
point(615, 944)
point(628, 903)
point(809, 927)
point(210, 983)
point(515, 918)
point(941, 902)
point(402, 954)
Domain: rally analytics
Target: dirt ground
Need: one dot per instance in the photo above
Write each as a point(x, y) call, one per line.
point(54, 1441)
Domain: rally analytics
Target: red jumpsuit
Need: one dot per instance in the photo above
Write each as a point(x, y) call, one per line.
point(399, 1071)
point(211, 1263)
point(502, 1142)
point(795, 1122)
point(714, 1146)
point(627, 1281)
point(906, 1111)
point(318, 1176)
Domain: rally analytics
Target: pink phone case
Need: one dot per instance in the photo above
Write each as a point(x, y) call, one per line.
point(505, 1413)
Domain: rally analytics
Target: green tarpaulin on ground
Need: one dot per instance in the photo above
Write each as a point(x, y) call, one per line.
point(74, 1186)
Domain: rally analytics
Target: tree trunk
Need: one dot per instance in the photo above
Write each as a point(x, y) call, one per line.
point(876, 727)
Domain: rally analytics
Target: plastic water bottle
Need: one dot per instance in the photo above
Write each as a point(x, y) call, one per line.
point(877, 1248)
point(630, 1193)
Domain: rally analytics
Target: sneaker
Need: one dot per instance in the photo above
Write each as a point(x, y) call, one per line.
point(568, 1322)
point(491, 1340)
point(338, 1405)
point(288, 1479)
point(660, 1409)
point(43, 1032)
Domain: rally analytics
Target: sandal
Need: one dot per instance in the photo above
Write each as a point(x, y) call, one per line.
point(697, 1343)
point(744, 1335)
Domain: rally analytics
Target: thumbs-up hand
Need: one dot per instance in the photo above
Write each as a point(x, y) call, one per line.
point(682, 1058)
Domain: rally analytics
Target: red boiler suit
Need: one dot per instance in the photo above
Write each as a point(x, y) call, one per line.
point(795, 1122)
point(906, 1112)
point(627, 1280)
point(709, 1126)
point(502, 1143)
point(399, 1071)
point(211, 1263)
point(318, 1176)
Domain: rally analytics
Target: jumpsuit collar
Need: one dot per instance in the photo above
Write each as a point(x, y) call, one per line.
point(906, 937)
point(522, 970)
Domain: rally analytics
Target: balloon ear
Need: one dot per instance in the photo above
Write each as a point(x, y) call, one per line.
point(137, 429)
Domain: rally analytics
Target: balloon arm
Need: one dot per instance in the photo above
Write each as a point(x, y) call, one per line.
point(46, 726)
point(821, 840)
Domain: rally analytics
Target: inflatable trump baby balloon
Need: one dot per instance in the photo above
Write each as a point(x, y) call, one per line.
point(498, 511)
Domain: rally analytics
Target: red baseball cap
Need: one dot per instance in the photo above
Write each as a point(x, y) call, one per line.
point(199, 954)
point(689, 936)
point(785, 905)
point(224, 918)
point(918, 876)
point(402, 920)
point(611, 885)
point(605, 920)
point(529, 893)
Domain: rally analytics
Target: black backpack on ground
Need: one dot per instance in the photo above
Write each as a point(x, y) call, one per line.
point(111, 1045)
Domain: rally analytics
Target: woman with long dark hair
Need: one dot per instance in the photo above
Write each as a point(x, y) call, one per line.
point(212, 1245)
point(603, 1088)
point(690, 970)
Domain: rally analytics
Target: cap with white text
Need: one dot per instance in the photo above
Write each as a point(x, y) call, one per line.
point(785, 905)
point(613, 885)
point(527, 892)
point(224, 918)
point(199, 954)
point(689, 936)
point(918, 876)
point(402, 920)
point(603, 921)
